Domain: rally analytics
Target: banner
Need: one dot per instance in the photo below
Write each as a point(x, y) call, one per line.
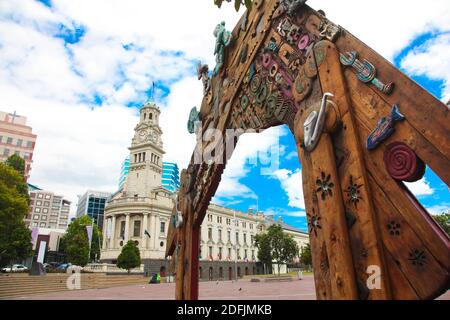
point(34, 235)
point(89, 230)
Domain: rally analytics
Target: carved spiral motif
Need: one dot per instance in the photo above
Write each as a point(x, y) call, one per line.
point(402, 163)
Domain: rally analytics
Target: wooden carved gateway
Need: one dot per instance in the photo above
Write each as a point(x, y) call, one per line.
point(285, 63)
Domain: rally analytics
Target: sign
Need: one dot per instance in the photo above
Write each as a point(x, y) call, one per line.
point(34, 235)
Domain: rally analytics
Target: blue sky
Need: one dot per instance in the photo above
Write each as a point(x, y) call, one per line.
point(80, 69)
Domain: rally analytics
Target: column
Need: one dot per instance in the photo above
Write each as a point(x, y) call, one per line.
point(127, 227)
point(152, 231)
point(156, 238)
point(144, 227)
point(105, 229)
point(112, 241)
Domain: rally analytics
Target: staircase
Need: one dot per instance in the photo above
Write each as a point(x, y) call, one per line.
point(17, 285)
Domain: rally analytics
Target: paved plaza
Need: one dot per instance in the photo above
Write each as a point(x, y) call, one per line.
point(224, 290)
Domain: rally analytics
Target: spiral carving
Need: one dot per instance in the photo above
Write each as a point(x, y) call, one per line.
point(402, 163)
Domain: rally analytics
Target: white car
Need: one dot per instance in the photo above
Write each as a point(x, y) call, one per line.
point(15, 268)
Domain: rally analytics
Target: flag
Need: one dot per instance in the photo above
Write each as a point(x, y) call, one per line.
point(147, 233)
point(89, 230)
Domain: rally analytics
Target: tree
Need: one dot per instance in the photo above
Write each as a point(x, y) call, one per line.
point(17, 163)
point(130, 257)
point(305, 256)
point(237, 3)
point(283, 247)
point(76, 242)
point(262, 242)
point(444, 221)
point(15, 237)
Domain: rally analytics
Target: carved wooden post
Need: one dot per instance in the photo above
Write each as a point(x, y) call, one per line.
point(366, 247)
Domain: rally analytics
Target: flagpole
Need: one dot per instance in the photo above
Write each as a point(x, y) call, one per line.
point(235, 247)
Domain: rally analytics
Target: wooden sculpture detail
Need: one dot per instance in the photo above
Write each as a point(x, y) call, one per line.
point(289, 65)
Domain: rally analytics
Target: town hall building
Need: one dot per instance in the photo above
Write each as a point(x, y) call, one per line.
point(141, 210)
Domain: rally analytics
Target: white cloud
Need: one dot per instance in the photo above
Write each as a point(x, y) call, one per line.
point(420, 188)
point(291, 182)
point(81, 146)
point(439, 209)
point(385, 25)
point(432, 59)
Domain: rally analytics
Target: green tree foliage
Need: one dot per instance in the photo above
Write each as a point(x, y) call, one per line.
point(130, 257)
point(444, 221)
point(276, 246)
point(284, 248)
point(305, 256)
point(237, 3)
point(75, 242)
point(262, 242)
point(15, 237)
point(16, 162)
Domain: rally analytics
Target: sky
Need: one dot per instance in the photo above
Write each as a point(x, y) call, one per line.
point(79, 70)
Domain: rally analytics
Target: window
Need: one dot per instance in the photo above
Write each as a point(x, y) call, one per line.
point(237, 237)
point(209, 233)
point(220, 253)
point(17, 153)
point(122, 229)
point(37, 210)
point(42, 224)
point(9, 140)
point(135, 158)
point(251, 226)
point(228, 221)
point(245, 254)
point(47, 196)
point(244, 225)
point(252, 239)
point(163, 227)
point(46, 203)
point(30, 144)
point(40, 195)
point(35, 224)
point(19, 142)
point(6, 152)
point(1, 139)
point(36, 217)
point(253, 254)
point(219, 219)
point(220, 235)
point(44, 210)
point(143, 157)
point(39, 203)
point(236, 223)
point(245, 238)
point(229, 253)
point(210, 251)
point(239, 254)
point(137, 228)
point(229, 236)
point(43, 217)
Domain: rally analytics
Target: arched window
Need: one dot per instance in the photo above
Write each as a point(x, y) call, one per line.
point(150, 116)
point(145, 116)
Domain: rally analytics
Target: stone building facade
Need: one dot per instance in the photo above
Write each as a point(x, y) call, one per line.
point(141, 212)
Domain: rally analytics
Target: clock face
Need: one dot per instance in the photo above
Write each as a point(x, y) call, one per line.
point(153, 136)
point(142, 135)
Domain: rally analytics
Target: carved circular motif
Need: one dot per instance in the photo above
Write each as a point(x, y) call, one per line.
point(304, 42)
point(262, 94)
point(244, 102)
point(266, 60)
point(402, 163)
point(255, 84)
point(273, 70)
point(271, 105)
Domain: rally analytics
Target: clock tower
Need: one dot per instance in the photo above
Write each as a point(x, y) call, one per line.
point(146, 153)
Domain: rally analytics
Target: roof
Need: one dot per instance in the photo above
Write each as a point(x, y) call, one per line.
point(270, 221)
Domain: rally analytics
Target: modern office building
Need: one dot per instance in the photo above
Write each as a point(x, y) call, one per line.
point(16, 138)
point(92, 204)
point(124, 170)
point(170, 176)
point(141, 212)
point(48, 210)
